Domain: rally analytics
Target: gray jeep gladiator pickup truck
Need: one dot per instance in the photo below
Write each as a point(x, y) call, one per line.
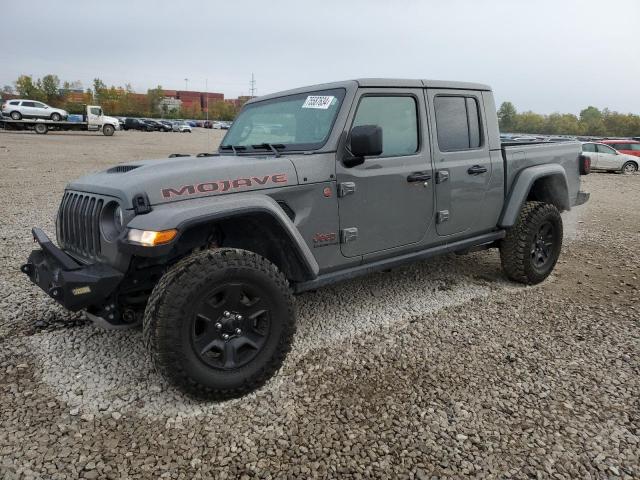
point(309, 187)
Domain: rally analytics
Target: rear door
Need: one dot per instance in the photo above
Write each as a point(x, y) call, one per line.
point(461, 159)
point(387, 202)
point(589, 151)
point(28, 109)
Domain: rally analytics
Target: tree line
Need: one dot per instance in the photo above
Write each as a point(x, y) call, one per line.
point(120, 100)
point(591, 122)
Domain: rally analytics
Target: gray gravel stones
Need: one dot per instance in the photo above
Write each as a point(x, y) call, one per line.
point(437, 370)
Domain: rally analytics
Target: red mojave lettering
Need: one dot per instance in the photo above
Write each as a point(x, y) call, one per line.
point(223, 185)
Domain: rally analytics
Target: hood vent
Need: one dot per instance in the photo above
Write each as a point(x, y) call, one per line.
point(122, 168)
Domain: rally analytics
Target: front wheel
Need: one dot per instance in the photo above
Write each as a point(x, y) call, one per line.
point(56, 117)
point(108, 130)
point(629, 168)
point(220, 322)
point(532, 246)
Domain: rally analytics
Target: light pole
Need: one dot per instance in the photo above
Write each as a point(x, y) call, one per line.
point(186, 84)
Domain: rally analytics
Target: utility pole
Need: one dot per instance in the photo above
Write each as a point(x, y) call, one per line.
point(186, 84)
point(206, 103)
point(252, 86)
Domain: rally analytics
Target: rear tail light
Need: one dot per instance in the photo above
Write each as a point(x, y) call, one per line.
point(585, 164)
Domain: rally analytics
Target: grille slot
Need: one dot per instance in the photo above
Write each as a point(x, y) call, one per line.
point(122, 168)
point(79, 224)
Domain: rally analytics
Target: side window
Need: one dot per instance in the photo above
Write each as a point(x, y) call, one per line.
point(458, 123)
point(588, 147)
point(39, 105)
point(15, 102)
point(28, 104)
point(605, 149)
point(398, 118)
point(621, 146)
point(95, 110)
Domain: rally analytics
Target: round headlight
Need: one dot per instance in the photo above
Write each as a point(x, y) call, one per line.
point(118, 219)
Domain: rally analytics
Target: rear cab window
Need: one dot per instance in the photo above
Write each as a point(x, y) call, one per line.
point(458, 123)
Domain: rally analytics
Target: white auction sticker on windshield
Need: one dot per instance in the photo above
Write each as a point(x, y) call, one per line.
point(319, 101)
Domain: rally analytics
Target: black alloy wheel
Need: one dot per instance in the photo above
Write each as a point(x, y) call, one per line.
point(231, 325)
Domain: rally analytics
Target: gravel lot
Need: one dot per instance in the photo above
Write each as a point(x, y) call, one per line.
point(440, 369)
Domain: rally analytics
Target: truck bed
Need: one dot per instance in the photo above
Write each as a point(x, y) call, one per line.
point(517, 156)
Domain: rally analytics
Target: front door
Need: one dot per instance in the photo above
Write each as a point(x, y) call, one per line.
point(608, 158)
point(387, 201)
point(462, 160)
point(94, 118)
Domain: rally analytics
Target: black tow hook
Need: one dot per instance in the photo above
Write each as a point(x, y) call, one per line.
point(56, 292)
point(27, 268)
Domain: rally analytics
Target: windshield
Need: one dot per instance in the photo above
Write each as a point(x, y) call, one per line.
point(294, 122)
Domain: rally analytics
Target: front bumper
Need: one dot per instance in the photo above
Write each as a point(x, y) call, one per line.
point(73, 285)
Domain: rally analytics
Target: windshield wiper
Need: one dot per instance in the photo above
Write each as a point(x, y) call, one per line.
point(271, 146)
point(233, 148)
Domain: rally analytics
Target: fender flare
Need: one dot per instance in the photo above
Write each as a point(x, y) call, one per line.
point(185, 214)
point(522, 186)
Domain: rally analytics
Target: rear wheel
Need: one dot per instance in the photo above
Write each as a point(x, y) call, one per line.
point(41, 128)
point(629, 168)
point(532, 246)
point(220, 322)
point(16, 115)
point(56, 117)
point(108, 130)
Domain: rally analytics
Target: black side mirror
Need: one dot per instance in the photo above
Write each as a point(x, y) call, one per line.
point(366, 141)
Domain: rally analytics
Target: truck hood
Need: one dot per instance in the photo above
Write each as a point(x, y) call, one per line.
point(180, 178)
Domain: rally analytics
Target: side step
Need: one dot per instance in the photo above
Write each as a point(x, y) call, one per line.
point(353, 272)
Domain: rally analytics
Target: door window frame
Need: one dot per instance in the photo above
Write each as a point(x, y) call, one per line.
point(419, 132)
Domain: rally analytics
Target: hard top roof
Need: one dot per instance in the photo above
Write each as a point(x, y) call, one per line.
point(381, 83)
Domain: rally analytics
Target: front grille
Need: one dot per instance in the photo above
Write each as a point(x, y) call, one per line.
point(79, 223)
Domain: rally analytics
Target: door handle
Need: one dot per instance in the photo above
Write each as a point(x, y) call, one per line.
point(476, 170)
point(418, 177)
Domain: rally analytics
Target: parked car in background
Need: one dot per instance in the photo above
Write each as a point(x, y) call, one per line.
point(137, 124)
point(604, 157)
point(18, 109)
point(182, 127)
point(629, 147)
point(159, 125)
point(207, 124)
point(191, 123)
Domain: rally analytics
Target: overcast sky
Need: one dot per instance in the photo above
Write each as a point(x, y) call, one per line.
point(543, 55)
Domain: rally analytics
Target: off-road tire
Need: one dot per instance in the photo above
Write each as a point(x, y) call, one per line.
point(56, 117)
point(168, 322)
point(629, 168)
point(16, 116)
point(516, 248)
point(108, 130)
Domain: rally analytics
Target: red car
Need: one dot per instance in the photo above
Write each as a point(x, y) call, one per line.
point(630, 147)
